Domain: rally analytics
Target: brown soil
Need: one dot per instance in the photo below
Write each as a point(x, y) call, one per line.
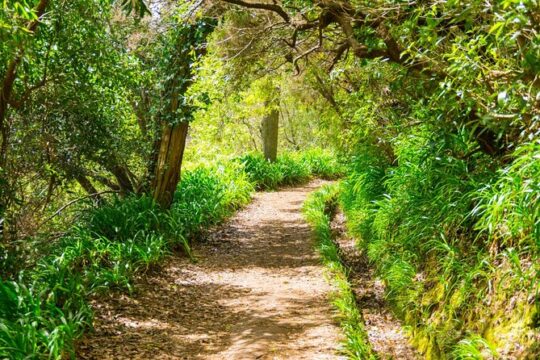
point(257, 292)
point(384, 330)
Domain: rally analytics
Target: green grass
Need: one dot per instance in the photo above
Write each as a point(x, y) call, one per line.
point(318, 210)
point(262, 173)
point(45, 309)
point(454, 241)
point(322, 164)
point(290, 168)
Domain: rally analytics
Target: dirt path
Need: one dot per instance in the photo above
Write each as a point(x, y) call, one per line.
point(257, 292)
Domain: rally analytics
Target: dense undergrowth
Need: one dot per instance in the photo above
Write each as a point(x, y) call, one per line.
point(456, 243)
point(436, 103)
point(318, 210)
point(290, 168)
point(45, 308)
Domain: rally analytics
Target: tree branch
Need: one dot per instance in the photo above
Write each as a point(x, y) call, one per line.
point(262, 6)
point(57, 212)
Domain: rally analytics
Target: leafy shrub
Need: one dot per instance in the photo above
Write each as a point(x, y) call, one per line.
point(290, 168)
point(322, 164)
point(262, 173)
point(33, 323)
point(293, 169)
point(440, 229)
point(208, 195)
point(44, 311)
point(121, 219)
point(510, 208)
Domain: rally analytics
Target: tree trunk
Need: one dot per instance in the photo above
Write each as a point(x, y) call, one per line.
point(87, 185)
point(167, 173)
point(269, 130)
point(176, 114)
point(122, 177)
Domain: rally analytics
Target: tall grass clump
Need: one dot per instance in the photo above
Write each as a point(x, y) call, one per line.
point(262, 173)
point(318, 210)
point(293, 169)
point(207, 195)
point(290, 168)
point(509, 208)
point(322, 164)
point(454, 241)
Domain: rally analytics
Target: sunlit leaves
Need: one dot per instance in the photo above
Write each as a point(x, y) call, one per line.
point(138, 7)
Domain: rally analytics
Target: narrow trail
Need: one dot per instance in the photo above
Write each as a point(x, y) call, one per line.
point(257, 292)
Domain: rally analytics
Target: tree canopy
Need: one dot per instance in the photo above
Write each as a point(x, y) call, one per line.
point(431, 106)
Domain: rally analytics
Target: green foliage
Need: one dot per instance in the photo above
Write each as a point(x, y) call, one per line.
point(290, 168)
point(208, 195)
point(322, 164)
point(136, 6)
point(69, 116)
point(43, 312)
point(294, 169)
point(441, 229)
point(510, 208)
point(46, 309)
point(440, 134)
point(473, 347)
point(33, 325)
point(121, 219)
point(183, 45)
point(261, 172)
point(318, 210)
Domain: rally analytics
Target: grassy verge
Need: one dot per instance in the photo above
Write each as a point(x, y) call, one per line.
point(456, 248)
point(290, 168)
point(318, 210)
point(45, 309)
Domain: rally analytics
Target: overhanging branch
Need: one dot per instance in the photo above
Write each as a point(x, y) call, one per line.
point(262, 6)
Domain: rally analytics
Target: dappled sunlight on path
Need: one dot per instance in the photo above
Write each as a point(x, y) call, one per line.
point(257, 292)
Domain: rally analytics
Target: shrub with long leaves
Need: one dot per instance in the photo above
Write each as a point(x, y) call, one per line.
point(290, 168)
point(442, 227)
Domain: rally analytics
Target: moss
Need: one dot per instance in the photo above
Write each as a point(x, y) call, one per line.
point(442, 313)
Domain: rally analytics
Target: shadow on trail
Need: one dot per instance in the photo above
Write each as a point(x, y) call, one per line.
point(269, 246)
point(181, 322)
point(257, 292)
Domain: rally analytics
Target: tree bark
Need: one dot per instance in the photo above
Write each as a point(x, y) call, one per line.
point(171, 145)
point(87, 185)
point(106, 181)
point(269, 130)
point(122, 177)
point(175, 116)
point(171, 152)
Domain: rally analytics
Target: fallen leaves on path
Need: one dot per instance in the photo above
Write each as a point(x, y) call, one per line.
point(256, 292)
